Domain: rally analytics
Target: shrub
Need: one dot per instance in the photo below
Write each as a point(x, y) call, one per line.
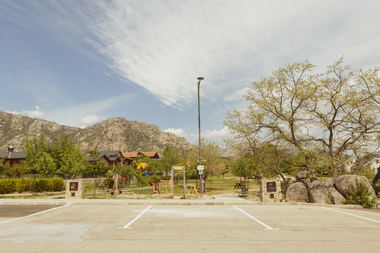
point(107, 183)
point(7, 186)
point(23, 185)
point(155, 179)
point(41, 184)
point(55, 184)
point(361, 196)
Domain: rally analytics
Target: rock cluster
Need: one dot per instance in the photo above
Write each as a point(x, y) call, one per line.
point(306, 188)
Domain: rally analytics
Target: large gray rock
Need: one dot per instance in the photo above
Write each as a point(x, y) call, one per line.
point(346, 184)
point(297, 192)
point(305, 177)
point(323, 191)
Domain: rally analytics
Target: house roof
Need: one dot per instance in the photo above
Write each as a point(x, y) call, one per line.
point(110, 155)
point(133, 155)
point(151, 154)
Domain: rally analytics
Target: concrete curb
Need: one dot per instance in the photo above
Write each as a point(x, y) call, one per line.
point(162, 202)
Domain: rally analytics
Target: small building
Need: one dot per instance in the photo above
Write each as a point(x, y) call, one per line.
point(109, 158)
point(12, 157)
point(372, 161)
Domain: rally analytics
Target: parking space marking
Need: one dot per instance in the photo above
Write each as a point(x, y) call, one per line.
point(34, 214)
point(138, 216)
point(350, 214)
point(255, 219)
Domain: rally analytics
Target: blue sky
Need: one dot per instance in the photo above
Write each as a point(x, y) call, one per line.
point(80, 62)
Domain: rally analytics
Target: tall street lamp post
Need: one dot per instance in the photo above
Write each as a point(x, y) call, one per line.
point(199, 137)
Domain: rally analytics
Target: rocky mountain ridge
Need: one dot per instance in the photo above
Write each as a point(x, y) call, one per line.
point(111, 134)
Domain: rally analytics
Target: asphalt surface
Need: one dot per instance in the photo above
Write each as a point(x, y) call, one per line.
point(107, 227)
point(7, 211)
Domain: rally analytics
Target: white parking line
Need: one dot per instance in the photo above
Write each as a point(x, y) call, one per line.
point(255, 219)
point(34, 214)
point(138, 216)
point(350, 214)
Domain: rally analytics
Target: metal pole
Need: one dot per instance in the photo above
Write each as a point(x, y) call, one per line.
point(199, 134)
point(184, 183)
point(117, 185)
point(172, 182)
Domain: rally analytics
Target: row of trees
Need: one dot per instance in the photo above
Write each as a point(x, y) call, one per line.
point(63, 158)
point(299, 119)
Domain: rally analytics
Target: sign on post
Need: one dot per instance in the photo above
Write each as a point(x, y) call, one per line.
point(200, 169)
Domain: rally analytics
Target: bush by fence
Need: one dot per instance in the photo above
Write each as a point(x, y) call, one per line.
point(24, 184)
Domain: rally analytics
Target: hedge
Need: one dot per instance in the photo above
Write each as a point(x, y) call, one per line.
point(24, 184)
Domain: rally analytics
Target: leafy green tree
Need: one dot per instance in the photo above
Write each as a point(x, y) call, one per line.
point(245, 167)
point(212, 158)
point(127, 171)
point(171, 157)
point(14, 170)
point(191, 160)
point(38, 158)
point(69, 159)
point(330, 112)
point(2, 165)
point(95, 168)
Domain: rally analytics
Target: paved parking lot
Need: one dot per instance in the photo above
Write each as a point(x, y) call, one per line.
point(190, 228)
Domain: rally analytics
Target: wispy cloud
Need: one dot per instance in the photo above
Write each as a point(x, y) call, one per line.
point(90, 119)
point(82, 115)
point(36, 113)
point(237, 95)
point(176, 131)
point(215, 135)
point(164, 45)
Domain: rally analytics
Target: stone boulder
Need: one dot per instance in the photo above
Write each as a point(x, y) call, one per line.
point(323, 191)
point(346, 184)
point(305, 177)
point(302, 175)
point(297, 192)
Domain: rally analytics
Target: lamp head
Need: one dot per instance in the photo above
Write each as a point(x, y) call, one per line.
point(200, 78)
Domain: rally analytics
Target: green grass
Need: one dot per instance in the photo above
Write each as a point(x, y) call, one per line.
point(214, 185)
point(32, 195)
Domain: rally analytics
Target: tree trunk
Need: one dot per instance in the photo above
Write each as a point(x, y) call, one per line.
point(307, 163)
point(94, 187)
point(375, 179)
point(32, 185)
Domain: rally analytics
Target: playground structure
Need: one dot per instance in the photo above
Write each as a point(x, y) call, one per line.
point(166, 189)
point(118, 183)
point(178, 170)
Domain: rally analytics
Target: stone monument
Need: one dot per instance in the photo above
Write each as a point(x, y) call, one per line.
point(270, 190)
point(75, 189)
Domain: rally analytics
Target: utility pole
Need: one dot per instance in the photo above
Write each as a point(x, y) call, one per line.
point(199, 136)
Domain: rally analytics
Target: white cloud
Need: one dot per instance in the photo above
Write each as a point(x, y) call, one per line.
point(82, 115)
point(164, 46)
point(215, 135)
point(236, 96)
point(13, 112)
point(176, 131)
point(36, 113)
point(90, 119)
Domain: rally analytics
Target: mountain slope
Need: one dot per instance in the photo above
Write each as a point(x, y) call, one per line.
point(112, 134)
